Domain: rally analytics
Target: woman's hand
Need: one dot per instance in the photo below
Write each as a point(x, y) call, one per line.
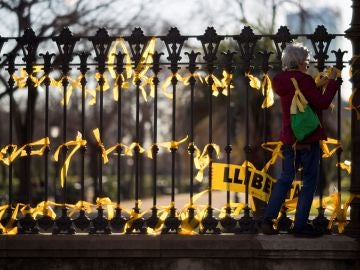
point(322, 82)
point(333, 74)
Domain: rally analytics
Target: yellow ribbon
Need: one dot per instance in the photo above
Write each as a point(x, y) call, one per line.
point(21, 79)
point(96, 133)
point(124, 85)
point(106, 84)
point(81, 205)
point(327, 73)
point(325, 147)
point(109, 205)
point(267, 91)
point(202, 159)
point(216, 84)
point(44, 208)
point(226, 82)
point(168, 145)
point(9, 227)
point(21, 152)
point(346, 165)
point(275, 149)
point(299, 101)
point(111, 58)
point(254, 82)
point(338, 212)
point(78, 142)
point(352, 106)
point(167, 83)
point(127, 151)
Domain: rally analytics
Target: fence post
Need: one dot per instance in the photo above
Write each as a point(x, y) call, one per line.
point(353, 33)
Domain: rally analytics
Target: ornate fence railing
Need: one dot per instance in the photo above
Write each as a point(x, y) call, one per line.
point(211, 104)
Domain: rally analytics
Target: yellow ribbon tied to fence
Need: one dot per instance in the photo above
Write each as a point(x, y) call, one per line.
point(105, 201)
point(217, 84)
point(267, 91)
point(9, 228)
point(226, 82)
point(338, 212)
point(275, 149)
point(202, 159)
point(126, 150)
point(21, 79)
point(352, 106)
point(111, 58)
point(96, 133)
point(44, 209)
point(168, 145)
point(21, 152)
point(254, 82)
point(346, 165)
point(78, 142)
point(167, 83)
point(81, 205)
point(324, 144)
point(119, 82)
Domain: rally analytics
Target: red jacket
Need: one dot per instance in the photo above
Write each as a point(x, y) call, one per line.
point(285, 89)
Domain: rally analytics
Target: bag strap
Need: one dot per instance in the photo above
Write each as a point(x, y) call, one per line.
point(298, 102)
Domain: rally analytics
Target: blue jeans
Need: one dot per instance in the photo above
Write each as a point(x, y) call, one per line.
point(309, 159)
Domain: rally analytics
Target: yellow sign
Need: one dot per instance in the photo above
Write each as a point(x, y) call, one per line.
point(235, 177)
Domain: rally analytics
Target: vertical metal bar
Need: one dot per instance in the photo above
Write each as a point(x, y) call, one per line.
point(173, 134)
point(11, 69)
point(119, 136)
point(155, 81)
point(83, 149)
point(65, 83)
point(210, 148)
point(11, 82)
point(153, 220)
point(101, 128)
point(118, 221)
point(137, 149)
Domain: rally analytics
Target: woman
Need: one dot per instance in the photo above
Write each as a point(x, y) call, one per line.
point(295, 60)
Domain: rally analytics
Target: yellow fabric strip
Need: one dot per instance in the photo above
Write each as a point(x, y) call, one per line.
point(96, 133)
point(324, 144)
point(126, 150)
point(21, 152)
point(352, 106)
point(78, 142)
point(267, 91)
point(9, 228)
point(202, 159)
point(168, 145)
point(275, 149)
point(254, 82)
point(298, 102)
point(44, 209)
point(346, 165)
point(105, 201)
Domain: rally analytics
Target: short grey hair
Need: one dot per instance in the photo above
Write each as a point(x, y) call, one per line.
point(294, 55)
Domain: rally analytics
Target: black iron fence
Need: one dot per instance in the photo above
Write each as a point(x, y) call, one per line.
point(220, 98)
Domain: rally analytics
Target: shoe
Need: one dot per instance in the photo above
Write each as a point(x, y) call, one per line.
point(308, 232)
point(267, 227)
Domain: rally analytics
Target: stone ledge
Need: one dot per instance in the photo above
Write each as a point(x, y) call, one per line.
point(177, 252)
point(179, 246)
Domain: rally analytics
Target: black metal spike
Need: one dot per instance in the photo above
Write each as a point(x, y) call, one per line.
point(247, 41)
point(101, 43)
point(174, 42)
point(281, 38)
point(137, 42)
point(320, 41)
